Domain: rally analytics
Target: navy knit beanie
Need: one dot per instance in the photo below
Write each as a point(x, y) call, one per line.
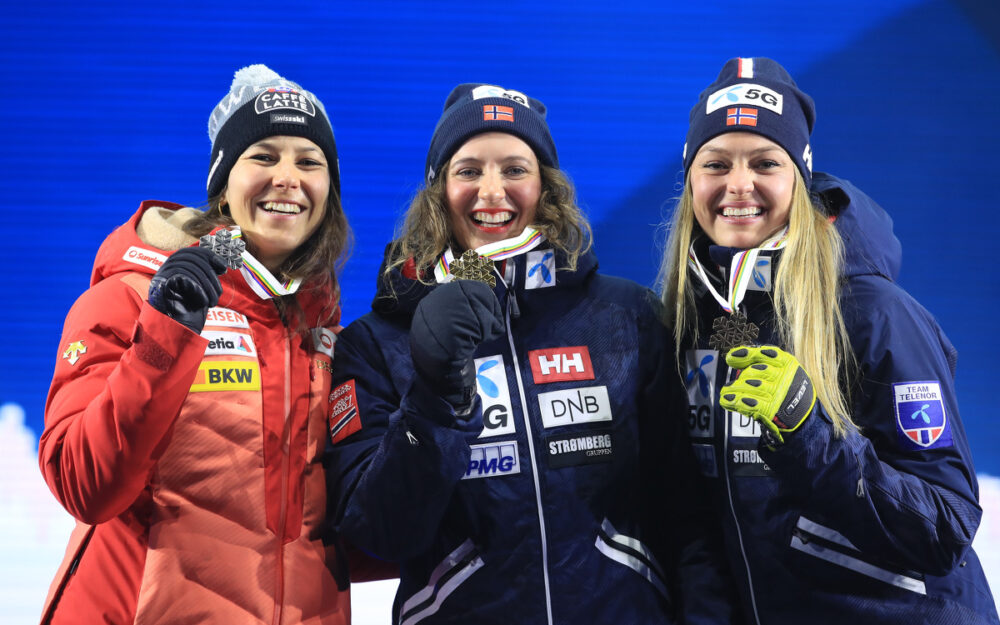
point(474, 108)
point(754, 95)
point(262, 104)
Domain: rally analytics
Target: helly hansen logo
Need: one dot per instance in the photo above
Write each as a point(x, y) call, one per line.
point(493, 459)
point(226, 376)
point(561, 364)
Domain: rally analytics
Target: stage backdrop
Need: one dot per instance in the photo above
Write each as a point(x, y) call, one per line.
point(107, 105)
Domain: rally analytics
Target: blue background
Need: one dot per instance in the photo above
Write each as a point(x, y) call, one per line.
point(107, 104)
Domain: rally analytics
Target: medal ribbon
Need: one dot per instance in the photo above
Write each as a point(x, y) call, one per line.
point(741, 270)
point(262, 281)
point(498, 250)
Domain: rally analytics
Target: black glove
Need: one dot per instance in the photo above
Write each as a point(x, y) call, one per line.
point(187, 285)
point(448, 324)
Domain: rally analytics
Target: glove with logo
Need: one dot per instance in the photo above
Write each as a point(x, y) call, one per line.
point(772, 388)
point(448, 324)
point(187, 285)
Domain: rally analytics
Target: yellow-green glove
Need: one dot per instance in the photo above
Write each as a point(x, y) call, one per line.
point(772, 388)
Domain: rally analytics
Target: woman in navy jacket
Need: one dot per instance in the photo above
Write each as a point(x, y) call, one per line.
point(842, 473)
point(507, 442)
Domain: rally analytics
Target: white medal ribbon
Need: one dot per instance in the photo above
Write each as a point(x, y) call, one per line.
point(740, 270)
point(529, 239)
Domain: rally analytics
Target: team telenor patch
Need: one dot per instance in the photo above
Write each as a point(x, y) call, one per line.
point(580, 448)
point(493, 459)
point(221, 375)
point(561, 364)
point(343, 415)
point(921, 421)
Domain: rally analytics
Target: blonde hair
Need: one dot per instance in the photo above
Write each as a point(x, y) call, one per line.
point(807, 313)
point(426, 229)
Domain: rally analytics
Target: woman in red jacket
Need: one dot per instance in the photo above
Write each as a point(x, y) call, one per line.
point(188, 409)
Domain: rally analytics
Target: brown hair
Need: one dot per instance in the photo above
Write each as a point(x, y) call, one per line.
point(426, 229)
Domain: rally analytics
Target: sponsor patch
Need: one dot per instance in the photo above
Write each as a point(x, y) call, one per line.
point(741, 116)
point(221, 375)
point(561, 364)
point(921, 421)
point(228, 343)
point(323, 341)
point(146, 258)
point(492, 91)
point(277, 98)
point(699, 378)
point(742, 425)
point(343, 412)
point(493, 112)
point(705, 455)
point(745, 460)
point(225, 318)
point(745, 93)
point(760, 277)
point(541, 266)
point(493, 459)
point(491, 384)
point(285, 118)
point(581, 448)
point(574, 405)
point(73, 351)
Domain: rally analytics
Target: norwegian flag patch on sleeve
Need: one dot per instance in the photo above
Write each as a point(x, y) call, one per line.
point(343, 412)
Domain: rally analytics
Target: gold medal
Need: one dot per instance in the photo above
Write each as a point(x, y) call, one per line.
point(472, 266)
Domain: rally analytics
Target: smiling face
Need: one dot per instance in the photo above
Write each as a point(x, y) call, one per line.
point(277, 194)
point(493, 186)
point(741, 186)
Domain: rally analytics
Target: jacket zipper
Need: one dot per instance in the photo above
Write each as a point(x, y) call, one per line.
point(732, 506)
point(279, 590)
point(531, 449)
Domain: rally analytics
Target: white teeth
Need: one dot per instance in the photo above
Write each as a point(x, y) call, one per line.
point(749, 211)
point(492, 219)
point(282, 207)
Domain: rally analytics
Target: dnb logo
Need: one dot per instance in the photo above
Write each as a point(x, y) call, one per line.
point(491, 384)
point(493, 459)
point(920, 417)
point(699, 379)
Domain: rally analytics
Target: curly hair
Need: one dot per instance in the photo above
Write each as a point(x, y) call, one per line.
point(426, 229)
point(807, 309)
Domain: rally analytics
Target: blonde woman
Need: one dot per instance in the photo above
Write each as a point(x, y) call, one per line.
point(506, 442)
point(821, 396)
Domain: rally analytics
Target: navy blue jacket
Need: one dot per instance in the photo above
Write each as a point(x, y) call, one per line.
point(872, 528)
point(566, 497)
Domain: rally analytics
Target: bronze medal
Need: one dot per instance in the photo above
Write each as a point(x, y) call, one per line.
point(729, 331)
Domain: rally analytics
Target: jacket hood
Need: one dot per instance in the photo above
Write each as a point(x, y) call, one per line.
point(399, 292)
point(145, 241)
point(870, 247)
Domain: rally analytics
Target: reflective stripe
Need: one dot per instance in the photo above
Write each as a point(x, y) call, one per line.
point(648, 568)
point(454, 561)
point(847, 561)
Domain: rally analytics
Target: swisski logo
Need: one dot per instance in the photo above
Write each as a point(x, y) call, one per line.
point(144, 257)
point(228, 343)
point(920, 416)
point(561, 364)
point(343, 415)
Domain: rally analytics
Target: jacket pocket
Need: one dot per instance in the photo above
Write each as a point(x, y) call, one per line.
point(633, 554)
point(446, 577)
point(827, 544)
